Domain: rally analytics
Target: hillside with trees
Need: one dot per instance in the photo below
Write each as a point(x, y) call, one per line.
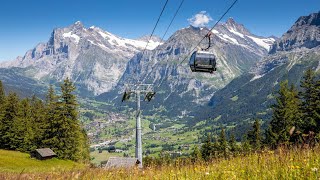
point(31, 123)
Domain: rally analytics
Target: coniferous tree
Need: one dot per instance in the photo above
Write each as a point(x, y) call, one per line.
point(254, 135)
point(223, 143)
point(207, 150)
point(72, 142)
point(2, 94)
point(8, 113)
point(22, 129)
point(245, 145)
point(286, 114)
point(309, 98)
point(51, 126)
point(233, 144)
point(38, 122)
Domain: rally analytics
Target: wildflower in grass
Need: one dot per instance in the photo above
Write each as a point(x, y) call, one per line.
point(207, 173)
point(314, 169)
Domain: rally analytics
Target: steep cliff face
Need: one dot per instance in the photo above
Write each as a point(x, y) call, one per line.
point(305, 33)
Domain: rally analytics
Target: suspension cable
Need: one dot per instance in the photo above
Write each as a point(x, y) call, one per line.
point(154, 28)
point(163, 36)
point(209, 31)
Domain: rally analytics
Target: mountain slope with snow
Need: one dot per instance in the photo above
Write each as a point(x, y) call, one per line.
point(93, 58)
point(177, 87)
point(250, 95)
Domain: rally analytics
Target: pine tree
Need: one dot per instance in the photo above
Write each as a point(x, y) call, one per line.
point(2, 94)
point(7, 115)
point(286, 114)
point(309, 98)
point(38, 121)
point(245, 145)
point(207, 150)
point(233, 144)
point(254, 135)
point(223, 143)
point(66, 137)
point(51, 125)
point(22, 129)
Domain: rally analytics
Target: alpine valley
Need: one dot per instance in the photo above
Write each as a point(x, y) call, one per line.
point(186, 104)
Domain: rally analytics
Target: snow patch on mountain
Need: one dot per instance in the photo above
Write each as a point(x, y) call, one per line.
point(123, 42)
point(236, 33)
point(225, 37)
point(71, 35)
point(265, 43)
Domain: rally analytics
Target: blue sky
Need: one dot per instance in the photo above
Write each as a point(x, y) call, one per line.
point(23, 24)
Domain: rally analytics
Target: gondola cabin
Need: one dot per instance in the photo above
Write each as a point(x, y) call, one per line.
point(202, 61)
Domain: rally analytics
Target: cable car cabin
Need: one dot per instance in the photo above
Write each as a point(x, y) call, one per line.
point(202, 61)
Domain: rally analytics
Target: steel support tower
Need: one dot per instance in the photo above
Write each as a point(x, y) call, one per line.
point(137, 90)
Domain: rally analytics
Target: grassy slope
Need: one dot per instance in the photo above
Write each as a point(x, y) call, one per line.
point(268, 165)
point(17, 162)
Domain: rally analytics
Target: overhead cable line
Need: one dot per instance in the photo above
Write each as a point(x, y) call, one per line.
point(209, 31)
point(154, 28)
point(173, 18)
point(175, 14)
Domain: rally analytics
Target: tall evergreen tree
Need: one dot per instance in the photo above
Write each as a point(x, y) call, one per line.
point(22, 128)
point(223, 143)
point(7, 115)
point(245, 144)
point(38, 120)
point(286, 114)
point(254, 135)
point(207, 150)
point(2, 94)
point(70, 141)
point(309, 98)
point(233, 144)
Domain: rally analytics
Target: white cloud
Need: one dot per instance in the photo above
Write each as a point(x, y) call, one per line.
point(200, 20)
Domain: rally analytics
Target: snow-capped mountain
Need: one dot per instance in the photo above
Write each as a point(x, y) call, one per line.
point(250, 95)
point(180, 89)
point(91, 57)
point(96, 60)
point(237, 34)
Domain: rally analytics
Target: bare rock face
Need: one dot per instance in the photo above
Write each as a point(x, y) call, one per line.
point(305, 33)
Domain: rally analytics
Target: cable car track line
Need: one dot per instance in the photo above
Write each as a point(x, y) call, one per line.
point(154, 28)
point(162, 38)
point(209, 32)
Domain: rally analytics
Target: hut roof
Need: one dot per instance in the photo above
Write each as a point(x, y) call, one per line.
point(121, 162)
point(45, 152)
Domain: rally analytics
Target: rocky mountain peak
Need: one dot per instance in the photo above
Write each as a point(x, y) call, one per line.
point(311, 20)
point(305, 33)
point(232, 25)
point(77, 25)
